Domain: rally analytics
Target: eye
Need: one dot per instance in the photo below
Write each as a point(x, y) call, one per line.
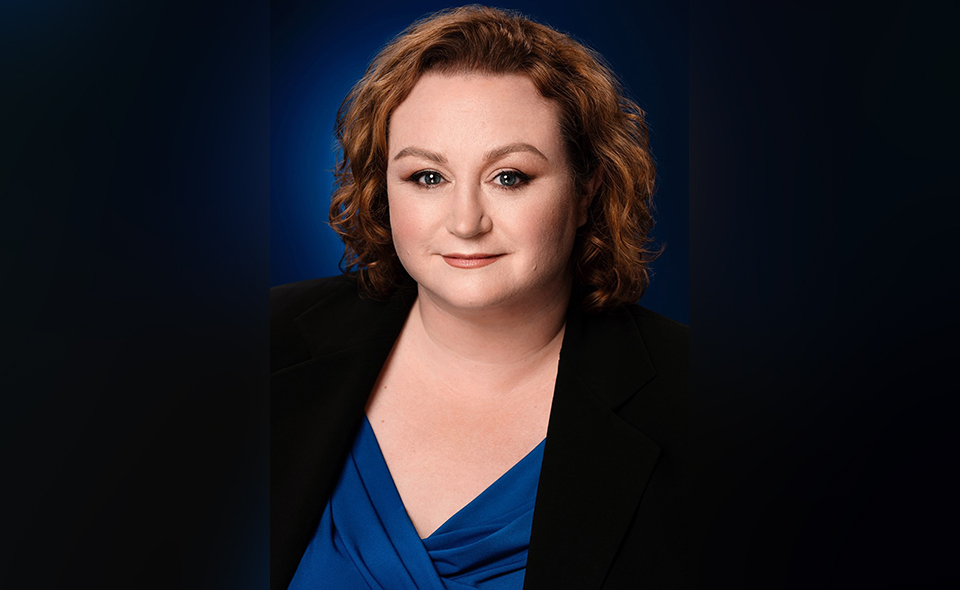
point(427, 178)
point(511, 178)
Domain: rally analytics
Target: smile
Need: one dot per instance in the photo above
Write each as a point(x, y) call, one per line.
point(470, 260)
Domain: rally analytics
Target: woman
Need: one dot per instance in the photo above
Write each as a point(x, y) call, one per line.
point(479, 403)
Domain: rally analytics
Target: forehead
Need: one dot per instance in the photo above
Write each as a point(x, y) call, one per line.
point(474, 108)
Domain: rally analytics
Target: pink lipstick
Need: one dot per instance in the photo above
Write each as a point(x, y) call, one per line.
point(470, 260)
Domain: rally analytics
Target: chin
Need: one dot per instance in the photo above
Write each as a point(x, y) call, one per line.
point(488, 297)
point(467, 299)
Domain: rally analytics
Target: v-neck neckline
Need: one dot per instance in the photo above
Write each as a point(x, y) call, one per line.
point(534, 453)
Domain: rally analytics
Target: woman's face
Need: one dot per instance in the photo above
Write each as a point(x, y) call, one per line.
point(482, 202)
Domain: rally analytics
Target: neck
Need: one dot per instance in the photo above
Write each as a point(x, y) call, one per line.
point(505, 337)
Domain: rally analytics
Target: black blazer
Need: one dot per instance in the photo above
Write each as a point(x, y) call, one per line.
point(609, 510)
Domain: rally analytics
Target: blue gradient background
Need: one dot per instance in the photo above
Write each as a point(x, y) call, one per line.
point(319, 50)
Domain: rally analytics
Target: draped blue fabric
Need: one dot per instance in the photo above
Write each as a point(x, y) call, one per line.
point(366, 540)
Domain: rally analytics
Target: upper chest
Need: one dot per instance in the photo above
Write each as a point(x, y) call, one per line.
point(445, 440)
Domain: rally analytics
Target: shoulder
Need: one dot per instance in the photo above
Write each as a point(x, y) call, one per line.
point(667, 341)
point(318, 317)
point(653, 352)
point(628, 334)
point(291, 301)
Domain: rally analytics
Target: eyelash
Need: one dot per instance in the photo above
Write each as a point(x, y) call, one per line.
point(522, 179)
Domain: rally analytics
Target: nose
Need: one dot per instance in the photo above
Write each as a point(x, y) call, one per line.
point(467, 217)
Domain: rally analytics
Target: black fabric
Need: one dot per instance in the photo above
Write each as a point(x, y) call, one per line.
point(609, 510)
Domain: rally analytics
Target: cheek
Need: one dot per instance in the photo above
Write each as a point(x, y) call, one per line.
point(553, 232)
point(399, 225)
point(406, 225)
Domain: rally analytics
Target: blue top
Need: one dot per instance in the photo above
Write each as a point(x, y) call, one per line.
point(366, 540)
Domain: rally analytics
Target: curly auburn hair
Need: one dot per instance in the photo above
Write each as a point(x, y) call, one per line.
point(604, 133)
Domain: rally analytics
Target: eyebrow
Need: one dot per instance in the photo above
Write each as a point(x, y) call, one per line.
point(494, 154)
point(513, 148)
point(425, 154)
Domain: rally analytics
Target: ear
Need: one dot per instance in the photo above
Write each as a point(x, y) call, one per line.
point(586, 199)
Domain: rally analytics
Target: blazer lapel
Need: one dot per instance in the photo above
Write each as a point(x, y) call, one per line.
point(595, 465)
point(319, 404)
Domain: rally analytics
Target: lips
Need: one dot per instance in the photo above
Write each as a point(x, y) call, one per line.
point(470, 260)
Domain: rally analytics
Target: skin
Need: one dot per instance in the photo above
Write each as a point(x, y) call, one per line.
point(484, 214)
